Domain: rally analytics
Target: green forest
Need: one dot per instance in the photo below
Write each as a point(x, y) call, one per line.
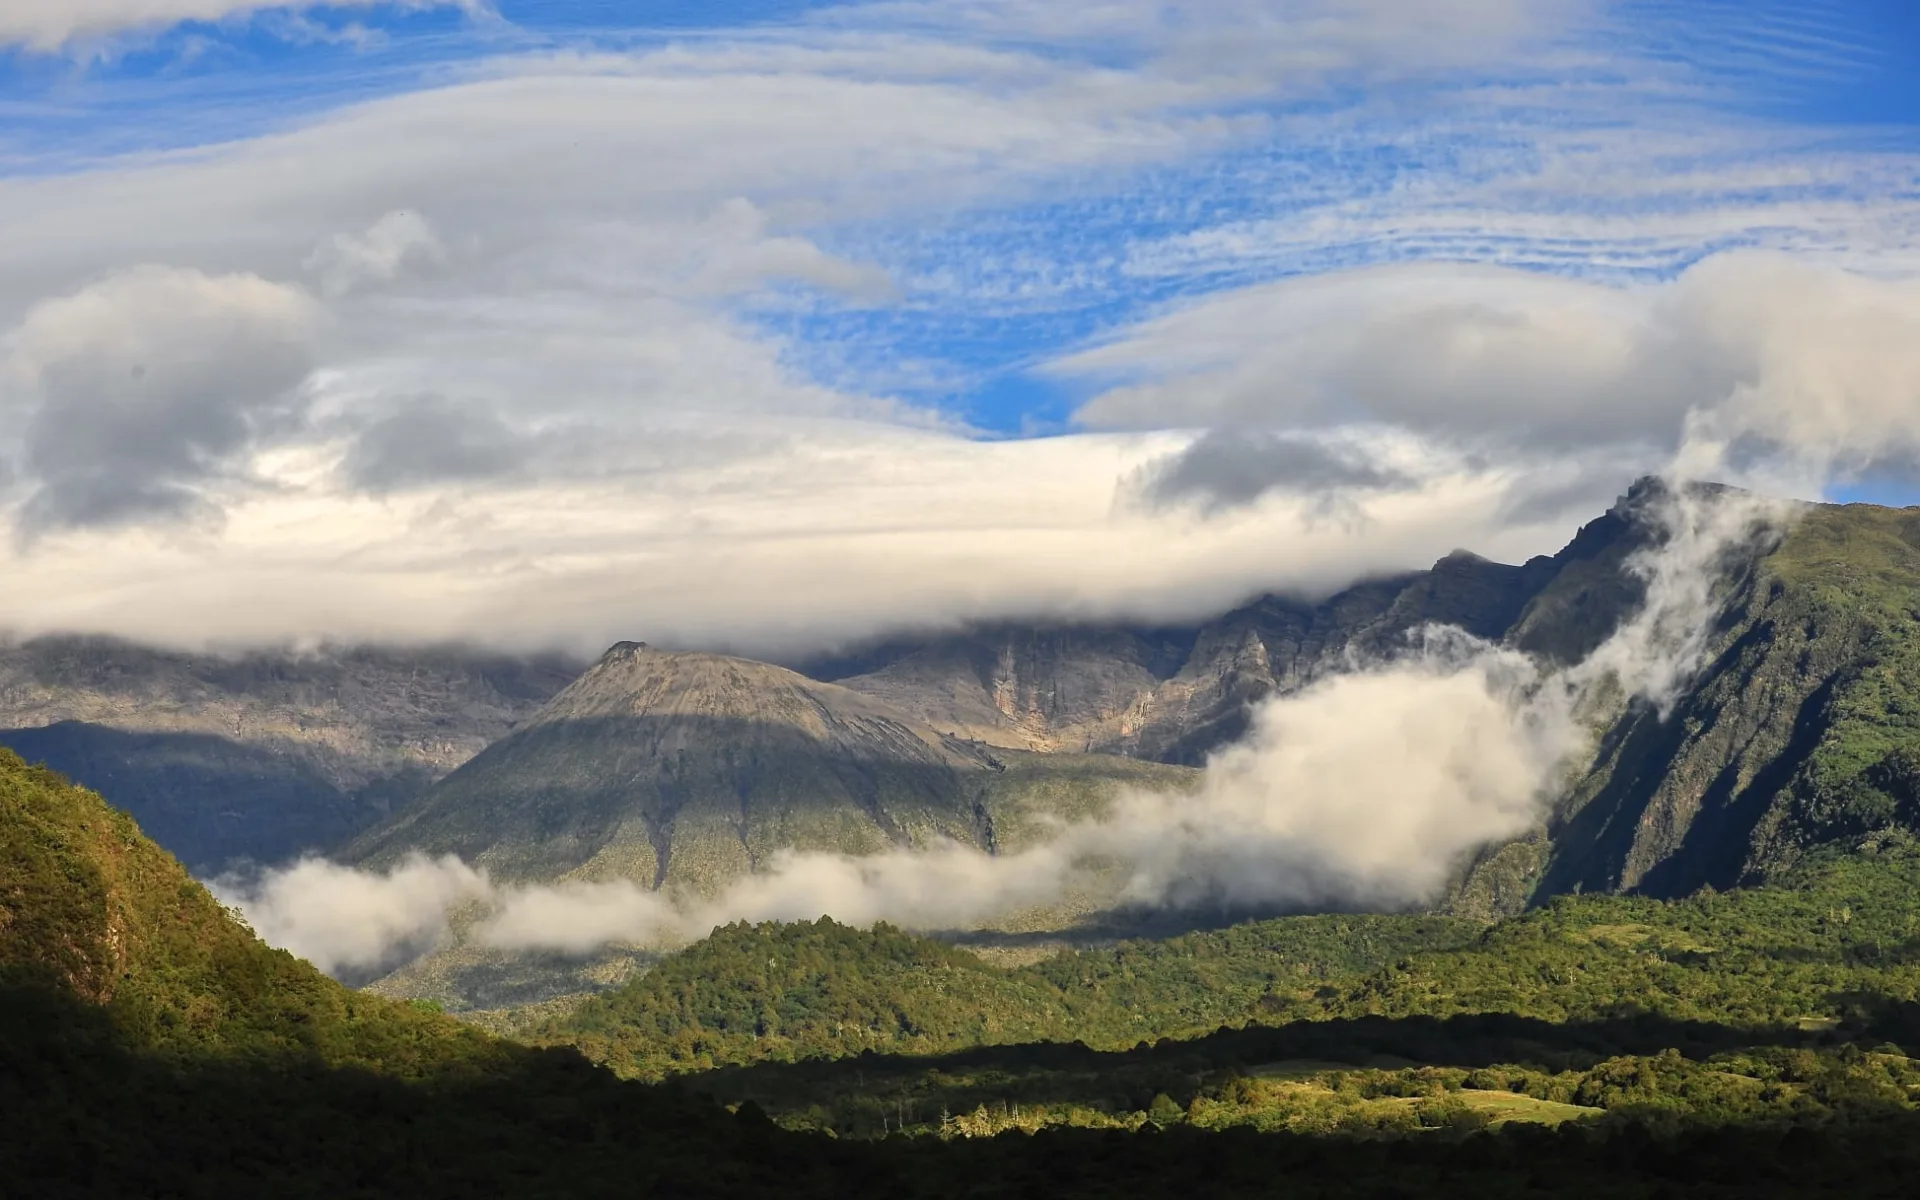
point(1750, 1042)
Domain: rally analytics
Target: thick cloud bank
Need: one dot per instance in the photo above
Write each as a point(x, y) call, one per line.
point(1358, 423)
point(1744, 356)
point(1367, 789)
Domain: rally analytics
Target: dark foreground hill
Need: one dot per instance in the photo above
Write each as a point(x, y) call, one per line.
point(150, 1046)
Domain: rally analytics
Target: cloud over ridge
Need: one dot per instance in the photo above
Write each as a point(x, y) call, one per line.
point(1367, 789)
point(775, 335)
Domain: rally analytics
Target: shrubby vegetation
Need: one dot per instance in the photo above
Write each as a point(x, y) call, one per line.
point(776, 992)
point(94, 910)
point(1838, 939)
point(151, 1046)
point(1788, 1007)
point(1354, 1079)
point(1851, 574)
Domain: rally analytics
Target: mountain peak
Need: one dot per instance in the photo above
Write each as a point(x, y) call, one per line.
point(634, 680)
point(1649, 490)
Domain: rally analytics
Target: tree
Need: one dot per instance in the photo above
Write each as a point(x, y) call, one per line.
point(1163, 1111)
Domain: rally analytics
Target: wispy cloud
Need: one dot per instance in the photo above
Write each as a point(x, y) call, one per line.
point(53, 26)
point(570, 286)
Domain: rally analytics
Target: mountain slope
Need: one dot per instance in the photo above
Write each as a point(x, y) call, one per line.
point(1802, 728)
point(93, 910)
point(265, 754)
point(684, 769)
point(1175, 695)
point(151, 1046)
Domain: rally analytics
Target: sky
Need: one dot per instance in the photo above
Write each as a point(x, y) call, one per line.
point(770, 326)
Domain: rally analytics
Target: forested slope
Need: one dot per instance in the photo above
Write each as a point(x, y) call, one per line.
point(150, 1046)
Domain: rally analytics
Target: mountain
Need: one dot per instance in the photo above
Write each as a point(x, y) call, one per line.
point(149, 1045)
point(689, 769)
point(1801, 729)
point(261, 755)
point(1176, 694)
point(685, 769)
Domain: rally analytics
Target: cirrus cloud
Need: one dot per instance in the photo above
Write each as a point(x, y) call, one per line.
point(47, 26)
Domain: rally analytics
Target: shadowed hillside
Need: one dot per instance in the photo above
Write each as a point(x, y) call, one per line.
point(262, 755)
point(89, 908)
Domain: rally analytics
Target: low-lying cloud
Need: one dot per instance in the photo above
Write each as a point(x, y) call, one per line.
point(1365, 789)
point(341, 919)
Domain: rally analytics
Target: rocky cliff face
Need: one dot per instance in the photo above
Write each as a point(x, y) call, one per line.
point(262, 755)
point(1802, 728)
point(689, 770)
point(1174, 695)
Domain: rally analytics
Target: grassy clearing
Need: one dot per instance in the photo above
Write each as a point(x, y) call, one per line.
point(1504, 1107)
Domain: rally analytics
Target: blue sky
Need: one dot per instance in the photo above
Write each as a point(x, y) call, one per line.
point(709, 277)
point(1040, 273)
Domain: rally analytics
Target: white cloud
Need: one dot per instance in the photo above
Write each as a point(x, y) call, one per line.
point(397, 241)
point(1815, 369)
point(595, 225)
point(138, 390)
point(1258, 45)
point(51, 25)
point(340, 919)
point(787, 538)
point(1504, 409)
